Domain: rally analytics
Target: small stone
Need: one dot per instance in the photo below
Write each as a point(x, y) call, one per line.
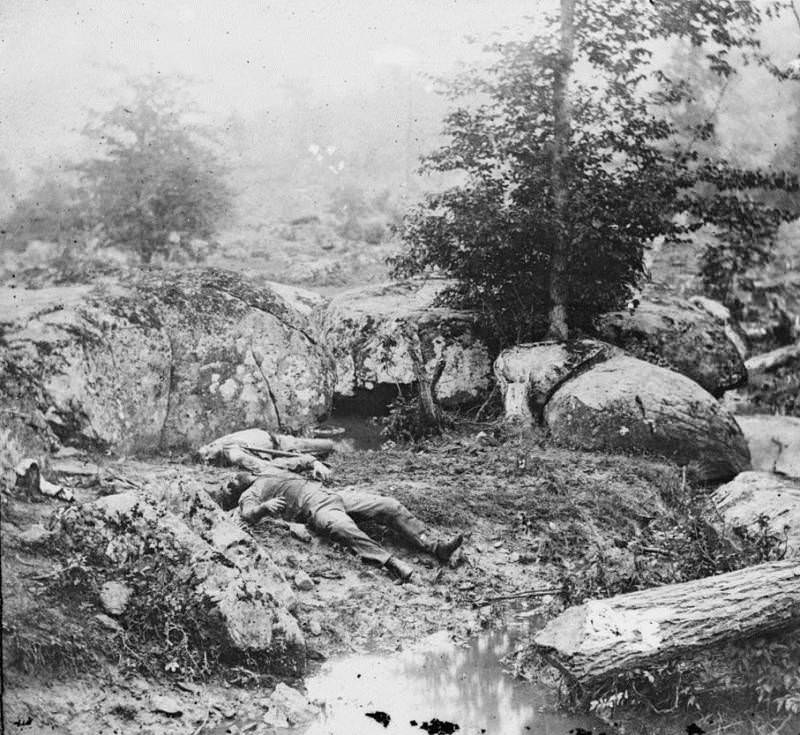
point(315, 628)
point(303, 582)
point(292, 705)
point(114, 597)
point(108, 622)
point(273, 718)
point(120, 506)
point(166, 705)
point(35, 535)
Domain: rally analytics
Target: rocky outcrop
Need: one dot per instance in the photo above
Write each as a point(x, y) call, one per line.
point(382, 335)
point(529, 374)
point(682, 336)
point(626, 404)
point(774, 442)
point(160, 359)
point(246, 592)
point(755, 502)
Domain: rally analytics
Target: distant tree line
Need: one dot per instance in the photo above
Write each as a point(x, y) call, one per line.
point(155, 184)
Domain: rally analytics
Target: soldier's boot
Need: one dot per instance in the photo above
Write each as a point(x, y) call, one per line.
point(400, 569)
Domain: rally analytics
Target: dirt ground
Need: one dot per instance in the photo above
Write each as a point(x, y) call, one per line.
point(535, 519)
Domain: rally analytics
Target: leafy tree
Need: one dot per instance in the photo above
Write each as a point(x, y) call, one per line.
point(569, 174)
point(158, 177)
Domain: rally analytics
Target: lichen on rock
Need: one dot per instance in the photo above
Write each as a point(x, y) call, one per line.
point(161, 359)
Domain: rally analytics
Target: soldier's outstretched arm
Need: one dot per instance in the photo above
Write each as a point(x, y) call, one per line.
point(252, 511)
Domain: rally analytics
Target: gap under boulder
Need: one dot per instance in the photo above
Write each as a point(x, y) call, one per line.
point(388, 334)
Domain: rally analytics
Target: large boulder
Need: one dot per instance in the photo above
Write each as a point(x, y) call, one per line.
point(529, 374)
point(679, 335)
point(160, 359)
point(626, 404)
point(381, 335)
point(756, 502)
point(774, 442)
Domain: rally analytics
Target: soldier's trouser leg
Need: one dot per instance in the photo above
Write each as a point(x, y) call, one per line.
point(391, 513)
point(331, 518)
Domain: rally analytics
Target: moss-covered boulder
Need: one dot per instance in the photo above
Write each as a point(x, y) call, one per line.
point(380, 335)
point(160, 359)
point(626, 404)
point(685, 337)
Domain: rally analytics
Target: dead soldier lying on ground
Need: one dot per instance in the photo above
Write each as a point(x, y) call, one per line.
point(272, 486)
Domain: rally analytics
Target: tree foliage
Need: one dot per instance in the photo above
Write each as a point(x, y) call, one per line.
point(631, 171)
point(54, 211)
point(158, 181)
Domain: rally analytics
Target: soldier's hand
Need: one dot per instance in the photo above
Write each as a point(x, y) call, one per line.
point(275, 506)
point(321, 472)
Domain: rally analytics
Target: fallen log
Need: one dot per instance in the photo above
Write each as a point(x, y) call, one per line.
point(593, 641)
point(772, 360)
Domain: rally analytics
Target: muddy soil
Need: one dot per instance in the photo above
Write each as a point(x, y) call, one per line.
point(528, 512)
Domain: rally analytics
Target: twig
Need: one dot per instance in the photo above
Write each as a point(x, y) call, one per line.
point(203, 723)
point(518, 595)
point(437, 373)
point(486, 402)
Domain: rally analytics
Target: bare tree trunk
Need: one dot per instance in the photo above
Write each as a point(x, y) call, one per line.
point(593, 641)
point(426, 385)
point(562, 114)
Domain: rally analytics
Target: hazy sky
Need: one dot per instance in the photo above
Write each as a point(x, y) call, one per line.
point(55, 54)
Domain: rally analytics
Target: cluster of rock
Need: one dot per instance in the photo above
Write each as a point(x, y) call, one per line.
point(591, 395)
point(231, 574)
point(170, 359)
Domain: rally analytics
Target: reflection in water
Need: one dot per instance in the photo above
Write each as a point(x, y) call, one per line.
point(465, 685)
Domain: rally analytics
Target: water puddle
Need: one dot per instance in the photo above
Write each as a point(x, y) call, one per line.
point(434, 686)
